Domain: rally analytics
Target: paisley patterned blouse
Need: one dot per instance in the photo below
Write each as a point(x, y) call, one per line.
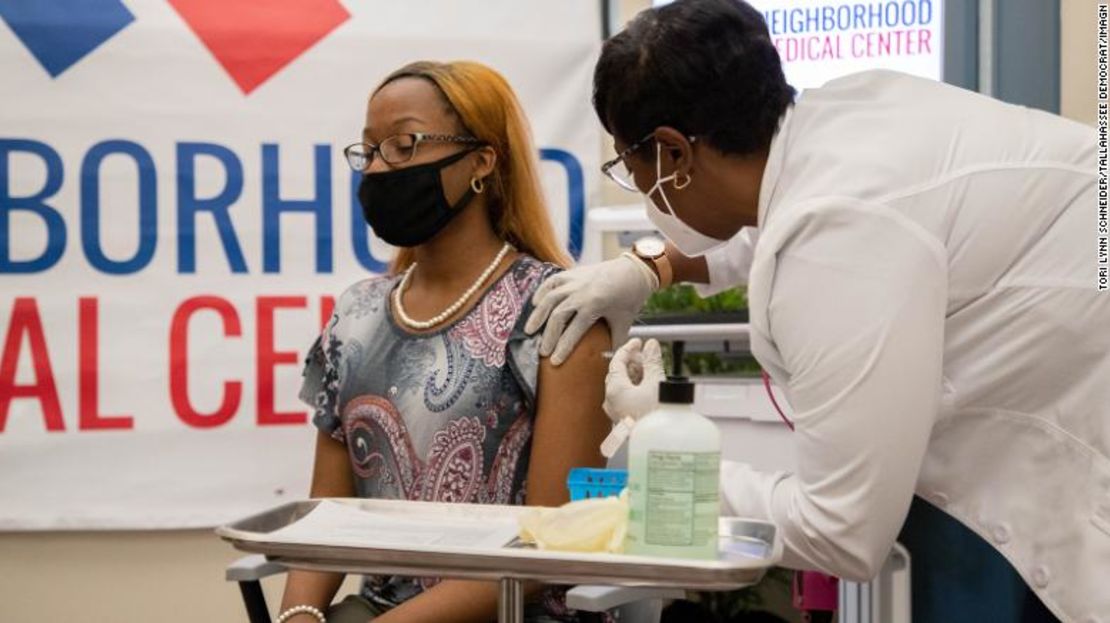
point(443, 416)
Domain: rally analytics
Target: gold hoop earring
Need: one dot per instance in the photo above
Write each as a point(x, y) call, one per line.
point(477, 185)
point(678, 186)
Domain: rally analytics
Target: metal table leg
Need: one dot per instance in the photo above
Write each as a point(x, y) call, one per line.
point(510, 604)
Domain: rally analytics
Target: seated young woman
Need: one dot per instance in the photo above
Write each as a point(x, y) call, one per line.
point(424, 384)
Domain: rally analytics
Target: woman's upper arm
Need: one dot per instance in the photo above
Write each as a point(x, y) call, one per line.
point(570, 423)
point(331, 475)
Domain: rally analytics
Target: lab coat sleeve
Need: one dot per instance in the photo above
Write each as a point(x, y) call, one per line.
point(857, 314)
point(729, 265)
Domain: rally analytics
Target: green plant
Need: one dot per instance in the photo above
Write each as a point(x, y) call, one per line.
point(712, 364)
point(683, 299)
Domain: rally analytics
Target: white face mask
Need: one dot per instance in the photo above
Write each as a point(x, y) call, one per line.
point(689, 241)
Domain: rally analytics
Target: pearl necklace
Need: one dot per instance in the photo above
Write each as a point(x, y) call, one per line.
point(456, 306)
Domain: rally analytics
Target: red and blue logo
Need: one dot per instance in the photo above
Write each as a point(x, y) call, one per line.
point(251, 40)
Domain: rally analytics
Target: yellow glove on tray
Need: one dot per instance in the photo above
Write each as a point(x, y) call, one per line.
point(593, 525)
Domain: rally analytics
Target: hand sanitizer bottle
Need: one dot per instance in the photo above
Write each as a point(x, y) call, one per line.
point(674, 458)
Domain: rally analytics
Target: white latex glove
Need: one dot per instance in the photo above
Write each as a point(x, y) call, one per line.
point(572, 301)
point(632, 385)
point(631, 389)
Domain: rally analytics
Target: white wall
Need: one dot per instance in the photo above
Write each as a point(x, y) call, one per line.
point(1077, 59)
point(121, 577)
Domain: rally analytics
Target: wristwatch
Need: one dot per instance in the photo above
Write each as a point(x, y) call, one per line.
point(652, 251)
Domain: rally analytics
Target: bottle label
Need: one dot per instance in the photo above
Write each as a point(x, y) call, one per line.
point(682, 500)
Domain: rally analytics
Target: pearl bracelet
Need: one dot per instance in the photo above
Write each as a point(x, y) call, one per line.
point(295, 610)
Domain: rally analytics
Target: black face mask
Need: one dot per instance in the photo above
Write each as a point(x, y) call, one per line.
point(407, 207)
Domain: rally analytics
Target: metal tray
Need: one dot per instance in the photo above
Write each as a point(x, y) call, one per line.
point(747, 549)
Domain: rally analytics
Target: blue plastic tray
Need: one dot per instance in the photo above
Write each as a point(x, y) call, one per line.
point(586, 482)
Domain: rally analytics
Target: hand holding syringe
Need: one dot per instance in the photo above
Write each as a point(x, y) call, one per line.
point(631, 388)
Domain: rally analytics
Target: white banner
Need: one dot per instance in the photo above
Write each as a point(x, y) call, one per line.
point(819, 40)
point(176, 214)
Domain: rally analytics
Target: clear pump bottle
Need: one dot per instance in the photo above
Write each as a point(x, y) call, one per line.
point(674, 457)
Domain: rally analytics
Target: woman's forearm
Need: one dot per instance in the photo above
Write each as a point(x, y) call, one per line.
point(454, 601)
point(450, 601)
point(687, 269)
point(309, 588)
point(331, 477)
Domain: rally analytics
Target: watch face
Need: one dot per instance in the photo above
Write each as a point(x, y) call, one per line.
point(649, 247)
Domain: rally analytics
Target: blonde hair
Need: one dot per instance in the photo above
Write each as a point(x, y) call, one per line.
point(490, 111)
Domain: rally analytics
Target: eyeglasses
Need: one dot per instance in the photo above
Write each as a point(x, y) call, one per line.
point(398, 149)
point(617, 169)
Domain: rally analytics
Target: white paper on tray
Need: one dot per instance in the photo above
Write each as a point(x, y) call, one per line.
point(332, 523)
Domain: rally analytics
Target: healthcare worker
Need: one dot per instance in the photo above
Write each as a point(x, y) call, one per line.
point(923, 287)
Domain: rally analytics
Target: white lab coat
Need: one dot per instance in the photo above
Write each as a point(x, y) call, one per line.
point(923, 288)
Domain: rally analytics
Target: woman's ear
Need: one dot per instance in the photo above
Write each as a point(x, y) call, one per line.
point(485, 162)
point(676, 148)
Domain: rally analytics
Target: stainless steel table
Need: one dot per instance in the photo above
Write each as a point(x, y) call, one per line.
point(748, 549)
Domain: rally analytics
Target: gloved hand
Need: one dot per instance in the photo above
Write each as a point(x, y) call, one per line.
point(632, 385)
point(572, 301)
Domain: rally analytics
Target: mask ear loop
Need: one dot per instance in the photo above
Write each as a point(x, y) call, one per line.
point(660, 180)
point(673, 177)
point(689, 178)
